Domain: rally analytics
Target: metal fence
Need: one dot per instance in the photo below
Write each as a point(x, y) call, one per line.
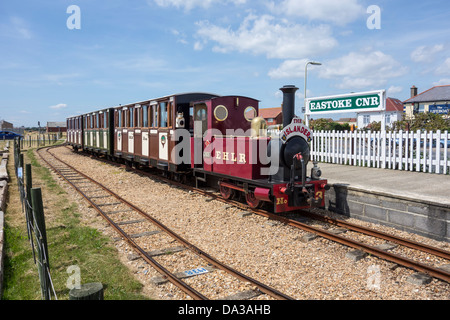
point(32, 206)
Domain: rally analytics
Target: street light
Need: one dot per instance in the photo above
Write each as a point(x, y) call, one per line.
point(304, 103)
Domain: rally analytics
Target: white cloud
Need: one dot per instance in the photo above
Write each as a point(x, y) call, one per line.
point(289, 69)
point(338, 12)
point(426, 53)
point(442, 82)
point(394, 89)
point(360, 70)
point(190, 4)
point(268, 36)
point(444, 68)
point(59, 106)
point(16, 28)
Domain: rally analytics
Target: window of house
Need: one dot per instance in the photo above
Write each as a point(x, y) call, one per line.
point(366, 119)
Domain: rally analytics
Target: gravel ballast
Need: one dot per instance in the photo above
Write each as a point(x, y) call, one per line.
point(273, 253)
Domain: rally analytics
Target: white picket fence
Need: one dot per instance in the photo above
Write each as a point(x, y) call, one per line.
point(403, 150)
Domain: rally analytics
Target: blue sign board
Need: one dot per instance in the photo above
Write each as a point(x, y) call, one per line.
point(439, 109)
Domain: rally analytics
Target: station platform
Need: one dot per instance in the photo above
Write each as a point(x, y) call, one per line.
point(426, 187)
point(416, 202)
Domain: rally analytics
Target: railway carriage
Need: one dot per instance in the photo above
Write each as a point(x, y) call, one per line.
point(98, 131)
point(147, 132)
point(75, 132)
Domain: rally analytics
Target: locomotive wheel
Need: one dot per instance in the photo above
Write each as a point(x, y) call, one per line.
point(227, 193)
point(252, 201)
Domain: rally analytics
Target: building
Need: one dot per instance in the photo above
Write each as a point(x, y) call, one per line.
point(434, 100)
point(394, 112)
point(56, 127)
point(272, 116)
point(350, 121)
point(4, 125)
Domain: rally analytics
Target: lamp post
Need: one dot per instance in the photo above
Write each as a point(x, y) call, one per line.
point(306, 119)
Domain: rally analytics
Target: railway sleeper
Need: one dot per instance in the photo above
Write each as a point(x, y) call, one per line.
point(159, 252)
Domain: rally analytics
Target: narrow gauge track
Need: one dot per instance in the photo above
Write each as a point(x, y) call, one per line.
point(389, 256)
point(94, 192)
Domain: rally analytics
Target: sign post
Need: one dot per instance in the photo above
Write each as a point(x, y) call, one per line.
point(353, 102)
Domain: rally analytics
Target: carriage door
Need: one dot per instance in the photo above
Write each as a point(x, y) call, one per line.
point(119, 131)
point(200, 127)
point(163, 136)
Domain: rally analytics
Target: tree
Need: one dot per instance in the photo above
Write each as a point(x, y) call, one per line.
point(430, 122)
point(328, 125)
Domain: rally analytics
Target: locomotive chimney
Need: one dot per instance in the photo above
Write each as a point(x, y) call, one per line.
point(288, 108)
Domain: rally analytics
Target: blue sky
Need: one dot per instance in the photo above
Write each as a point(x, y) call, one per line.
point(129, 51)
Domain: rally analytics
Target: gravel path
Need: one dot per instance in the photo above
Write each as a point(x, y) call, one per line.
point(265, 250)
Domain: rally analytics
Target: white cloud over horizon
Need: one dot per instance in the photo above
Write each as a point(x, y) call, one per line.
point(268, 36)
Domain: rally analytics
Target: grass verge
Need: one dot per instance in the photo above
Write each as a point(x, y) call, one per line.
point(69, 243)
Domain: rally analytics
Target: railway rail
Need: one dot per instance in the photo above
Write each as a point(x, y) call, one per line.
point(436, 272)
point(101, 198)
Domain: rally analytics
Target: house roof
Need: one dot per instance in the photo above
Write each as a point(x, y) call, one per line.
point(393, 104)
point(267, 113)
point(56, 124)
point(437, 93)
point(347, 120)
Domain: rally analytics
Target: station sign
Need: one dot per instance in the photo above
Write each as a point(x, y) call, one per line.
point(353, 102)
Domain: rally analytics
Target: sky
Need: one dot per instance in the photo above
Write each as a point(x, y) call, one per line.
point(57, 61)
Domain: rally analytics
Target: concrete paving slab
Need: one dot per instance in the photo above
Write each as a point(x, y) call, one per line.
point(413, 185)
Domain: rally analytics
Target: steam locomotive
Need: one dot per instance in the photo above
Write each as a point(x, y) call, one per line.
point(218, 140)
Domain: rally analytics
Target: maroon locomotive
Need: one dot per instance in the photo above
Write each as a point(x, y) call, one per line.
point(219, 140)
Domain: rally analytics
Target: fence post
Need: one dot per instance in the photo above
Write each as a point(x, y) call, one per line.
point(41, 234)
point(28, 212)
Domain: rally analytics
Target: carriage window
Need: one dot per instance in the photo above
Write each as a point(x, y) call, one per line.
point(138, 117)
point(154, 116)
point(119, 123)
point(97, 120)
point(200, 114)
point(145, 116)
point(92, 121)
point(105, 120)
point(125, 117)
point(131, 117)
point(163, 109)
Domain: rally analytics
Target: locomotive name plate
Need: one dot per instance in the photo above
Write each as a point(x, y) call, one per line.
point(296, 128)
